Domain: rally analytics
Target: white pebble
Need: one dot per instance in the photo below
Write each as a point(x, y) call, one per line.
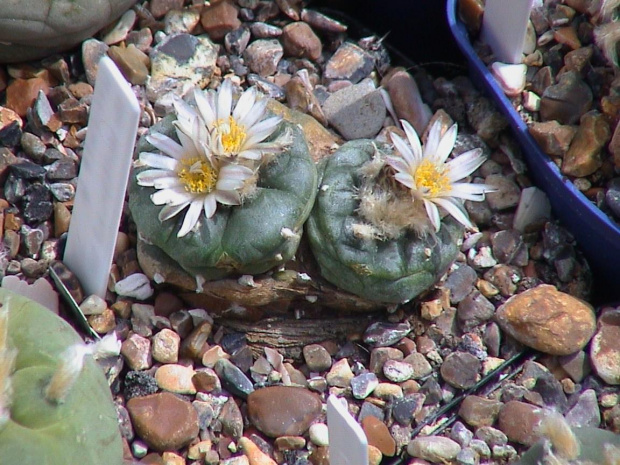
point(319, 434)
point(93, 305)
point(511, 78)
point(136, 285)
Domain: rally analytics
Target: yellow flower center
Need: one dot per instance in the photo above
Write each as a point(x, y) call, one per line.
point(231, 134)
point(197, 175)
point(432, 179)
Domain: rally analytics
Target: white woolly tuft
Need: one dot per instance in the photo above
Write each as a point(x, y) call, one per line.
point(67, 373)
point(607, 37)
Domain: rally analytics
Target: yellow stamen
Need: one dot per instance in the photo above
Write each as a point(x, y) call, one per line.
point(232, 135)
point(432, 178)
point(197, 175)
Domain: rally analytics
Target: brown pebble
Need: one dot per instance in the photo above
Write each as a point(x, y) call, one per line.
point(406, 99)
point(548, 320)
point(163, 420)
point(21, 93)
point(104, 322)
point(283, 410)
point(132, 63)
point(479, 411)
point(584, 154)
point(253, 453)
point(567, 36)
point(554, 138)
point(137, 352)
point(62, 218)
point(299, 40)
point(379, 435)
point(159, 8)
point(218, 19)
point(519, 421)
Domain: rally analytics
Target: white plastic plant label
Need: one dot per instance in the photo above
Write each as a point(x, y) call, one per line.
point(347, 442)
point(504, 26)
point(102, 182)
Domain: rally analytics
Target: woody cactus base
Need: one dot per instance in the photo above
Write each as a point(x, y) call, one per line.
point(50, 412)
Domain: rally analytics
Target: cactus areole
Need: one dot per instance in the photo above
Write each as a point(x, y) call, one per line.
point(251, 238)
point(386, 270)
point(81, 428)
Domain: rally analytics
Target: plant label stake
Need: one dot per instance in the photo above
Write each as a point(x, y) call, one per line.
point(104, 171)
point(347, 442)
point(503, 27)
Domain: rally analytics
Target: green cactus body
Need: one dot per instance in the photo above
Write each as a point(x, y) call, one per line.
point(83, 428)
point(246, 239)
point(391, 271)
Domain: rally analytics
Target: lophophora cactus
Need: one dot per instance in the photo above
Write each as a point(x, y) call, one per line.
point(562, 445)
point(377, 262)
point(246, 184)
point(55, 403)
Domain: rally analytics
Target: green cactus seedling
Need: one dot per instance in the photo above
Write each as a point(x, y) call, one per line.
point(55, 403)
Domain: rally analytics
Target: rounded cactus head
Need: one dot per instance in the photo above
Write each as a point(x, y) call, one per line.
point(55, 403)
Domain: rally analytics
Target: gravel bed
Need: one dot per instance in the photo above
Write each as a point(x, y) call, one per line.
point(467, 373)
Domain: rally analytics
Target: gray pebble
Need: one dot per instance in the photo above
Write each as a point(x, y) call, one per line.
point(33, 146)
point(461, 434)
point(62, 191)
point(362, 385)
point(405, 408)
point(436, 449)
point(460, 282)
point(474, 310)
point(461, 370)
point(233, 379)
point(585, 412)
point(383, 334)
point(357, 111)
point(491, 436)
point(262, 56)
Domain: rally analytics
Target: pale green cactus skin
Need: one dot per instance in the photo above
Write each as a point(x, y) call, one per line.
point(244, 239)
point(592, 442)
point(81, 430)
point(391, 271)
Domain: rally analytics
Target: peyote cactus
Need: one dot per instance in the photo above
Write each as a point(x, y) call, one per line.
point(55, 403)
point(369, 260)
point(251, 238)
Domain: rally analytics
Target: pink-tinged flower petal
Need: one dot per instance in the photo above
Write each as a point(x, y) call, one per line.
point(456, 211)
point(224, 100)
point(432, 141)
point(465, 164)
point(169, 211)
point(174, 196)
point(209, 205)
point(148, 177)
point(405, 179)
point(159, 161)
point(232, 171)
point(255, 114)
point(191, 217)
point(414, 140)
point(166, 145)
point(468, 191)
point(446, 144)
point(168, 182)
point(250, 154)
point(398, 164)
point(228, 197)
point(433, 214)
point(245, 104)
point(405, 151)
point(261, 131)
point(205, 107)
